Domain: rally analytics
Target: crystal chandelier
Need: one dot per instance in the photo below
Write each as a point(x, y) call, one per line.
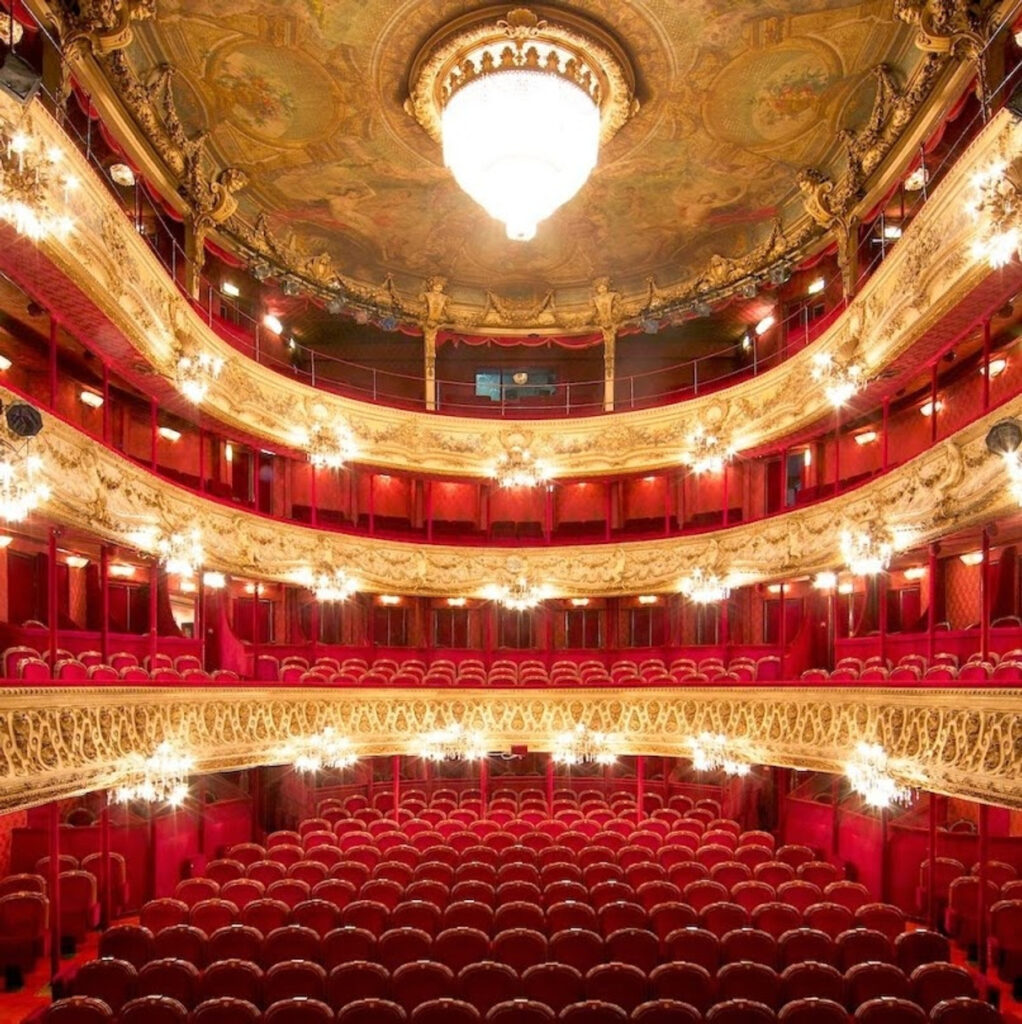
point(865, 553)
point(707, 453)
point(325, 749)
point(712, 752)
point(520, 595)
point(840, 382)
point(518, 467)
point(35, 191)
point(995, 205)
point(333, 585)
point(705, 588)
point(453, 743)
point(869, 775)
point(196, 373)
point(181, 553)
point(159, 778)
point(329, 445)
point(520, 101)
point(583, 746)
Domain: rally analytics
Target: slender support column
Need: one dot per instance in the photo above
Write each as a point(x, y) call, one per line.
point(255, 625)
point(200, 801)
point(882, 612)
point(931, 881)
point(984, 873)
point(150, 882)
point(668, 502)
point(782, 630)
point(314, 624)
point(986, 365)
point(885, 451)
point(154, 427)
point(931, 611)
point(154, 582)
point(835, 824)
point(52, 598)
point(429, 510)
point(202, 461)
point(837, 450)
point(104, 601)
point(200, 615)
point(933, 404)
point(665, 763)
point(885, 871)
point(550, 784)
point(106, 903)
point(53, 889)
point(484, 783)
point(640, 787)
point(255, 792)
point(107, 431)
point(313, 495)
point(609, 355)
point(725, 628)
point(429, 366)
point(548, 513)
point(53, 361)
point(985, 602)
point(395, 768)
point(725, 497)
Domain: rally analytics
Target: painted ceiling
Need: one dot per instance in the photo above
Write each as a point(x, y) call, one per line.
point(306, 96)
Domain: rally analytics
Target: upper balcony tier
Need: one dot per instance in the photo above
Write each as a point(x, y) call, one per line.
point(107, 281)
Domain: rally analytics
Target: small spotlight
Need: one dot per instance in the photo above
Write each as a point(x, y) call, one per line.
point(1004, 437)
point(390, 600)
point(169, 434)
point(746, 342)
point(5, 539)
point(272, 323)
point(866, 437)
point(335, 305)
point(230, 288)
point(971, 558)
point(260, 271)
point(456, 602)
point(228, 452)
point(5, 363)
point(816, 286)
point(930, 407)
point(648, 599)
point(892, 232)
point(23, 420)
point(780, 274)
point(290, 287)
point(765, 324)
point(749, 290)
point(91, 399)
point(917, 179)
point(915, 572)
point(997, 367)
point(122, 571)
point(845, 589)
point(122, 174)
point(825, 581)
point(580, 602)
point(214, 580)
point(76, 561)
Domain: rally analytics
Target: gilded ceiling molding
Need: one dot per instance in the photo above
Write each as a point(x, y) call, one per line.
point(924, 277)
point(105, 24)
point(57, 743)
point(955, 484)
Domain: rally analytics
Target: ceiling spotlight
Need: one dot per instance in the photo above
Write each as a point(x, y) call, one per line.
point(997, 367)
point(917, 179)
point(765, 324)
point(5, 363)
point(290, 287)
point(76, 561)
point(702, 308)
point(272, 323)
point(91, 399)
point(892, 232)
point(971, 558)
point(866, 437)
point(122, 174)
point(930, 407)
point(335, 304)
point(230, 288)
point(780, 274)
point(749, 290)
point(169, 434)
point(816, 286)
point(260, 271)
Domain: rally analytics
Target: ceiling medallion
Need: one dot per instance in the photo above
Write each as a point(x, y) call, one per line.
point(520, 100)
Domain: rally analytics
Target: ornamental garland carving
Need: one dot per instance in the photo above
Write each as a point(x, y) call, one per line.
point(925, 276)
point(57, 743)
point(950, 486)
point(99, 31)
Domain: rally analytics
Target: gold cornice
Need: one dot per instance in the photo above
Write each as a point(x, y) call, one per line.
point(954, 484)
point(924, 277)
point(57, 743)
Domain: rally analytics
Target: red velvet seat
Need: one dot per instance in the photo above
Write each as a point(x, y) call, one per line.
point(519, 948)
point(371, 1011)
point(694, 945)
point(157, 914)
point(319, 915)
point(852, 895)
point(247, 853)
point(291, 942)
point(334, 890)
point(520, 1011)
point(592, 1011)
point(367, 914)
point(235, 942)
point(831, 918)
point(265, 914)
point(890, 1011)
point(234, 979)
point(881, 917)
point(963, 1010)
point(519, 914)
point(181, 942)
point(291, 979)
point(747, 980)
point(813, 1011)
point(113, 981)
point(730, 872)
point(776, 918)
point(559, 892)
point(23, 929)
point(809, 979)
point(635, 946)
point(933, 983)
point(194, 890)
point(357, 979)
point(209, 915)
point(857, 945)
point(468, 914)
point(796, 855)
point(622, 914)
point(78, 1010)
point(289, 890)
point(226, 1010)
point(350, 871)
point(298, 1011)
point(169, 977)
point(921, 946)
point(116, 875)
point(23, 882)
point(224, 870)
point(618, 983)
point(806, 944)
point(284, 855)
point(723, 917)
point(459, 946)
point(666, 1011)
point(243, 891)
point(347, 943)
point(751, 944)
point(445, 1011)
point(577, 947)
point(156, 1009)
point(79, 903)
point(130, 942)
point(668, 917)
point(874, 980)
point(418, 982)
point(800, 894)
point(398, 946)
point(774, 872)
point(1006, 937)
point(555, 984)
point(740, 1011)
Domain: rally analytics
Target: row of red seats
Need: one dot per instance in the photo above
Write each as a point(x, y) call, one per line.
point(297, 1010)
point(483, 984)
point(89, 666)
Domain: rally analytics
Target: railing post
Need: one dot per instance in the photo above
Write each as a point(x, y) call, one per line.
point(312, 365)
point(695, 376)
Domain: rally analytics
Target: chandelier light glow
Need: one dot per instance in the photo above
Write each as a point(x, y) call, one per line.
point(583, 746)
point(995, 205)
point(21, 490)
point(868, 771)
point(705, 588)
point(161, 778)
point(707, 453)
point(196, 373)
point(325, 749)
point(518, 467)
point(840, 383)
point(181, 553)
point(713, 752)
point(329, 445)
point(35, 190)
point(335, 585)
point(865, 553)
point(520, 101)
point(519, 595)
point(453, 743)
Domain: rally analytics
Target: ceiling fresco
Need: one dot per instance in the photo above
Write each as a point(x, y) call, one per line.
point(306, 96)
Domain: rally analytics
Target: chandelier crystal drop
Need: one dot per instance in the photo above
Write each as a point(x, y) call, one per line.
point(868, 772)
point(520, 595)
point(453, 743)
point(333, 585)
point(195, 375)
point(35, 189)
point(584, 746)
point(865, 553)
point(713, 752)
point(21, 490)
point(995, 205)
point(520, 102)
point(518, 467)
point(707, 453)
point(325, 749)
point(161, 778)
point(705, 587)
point(181, 553)
point(840, 382)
